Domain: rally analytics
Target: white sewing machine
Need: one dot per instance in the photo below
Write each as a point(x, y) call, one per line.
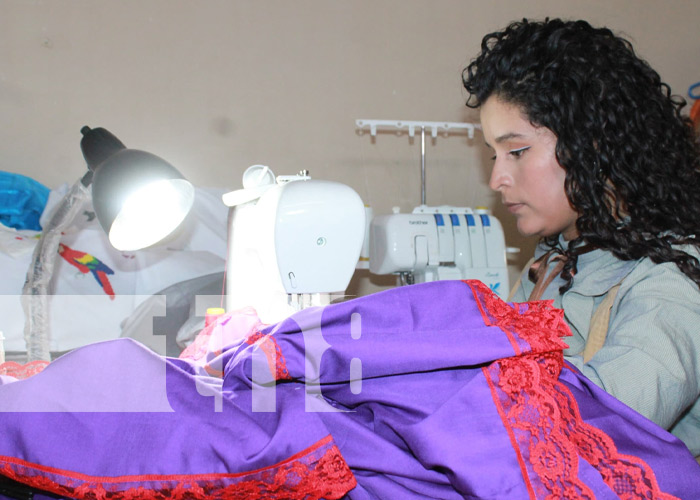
point(440, 243)
point(293, 242)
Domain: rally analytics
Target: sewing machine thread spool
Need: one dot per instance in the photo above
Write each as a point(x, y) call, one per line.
point(212, 314)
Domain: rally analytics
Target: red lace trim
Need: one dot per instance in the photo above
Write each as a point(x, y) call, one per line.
point(273, 353)
point(317, 472)
point(542, 416)
point(19, 371)
point(538, 323)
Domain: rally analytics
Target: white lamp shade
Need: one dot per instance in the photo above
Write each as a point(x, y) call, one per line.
point(139, 198)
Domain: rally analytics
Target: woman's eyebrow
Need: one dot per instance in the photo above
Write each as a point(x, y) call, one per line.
point(506, 137)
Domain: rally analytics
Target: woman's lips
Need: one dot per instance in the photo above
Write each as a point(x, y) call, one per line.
point(513, 207)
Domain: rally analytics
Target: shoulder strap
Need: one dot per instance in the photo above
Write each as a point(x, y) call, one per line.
point(519, 280)
point(598, 328)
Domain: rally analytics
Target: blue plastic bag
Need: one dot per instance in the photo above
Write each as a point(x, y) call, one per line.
point(22, 201)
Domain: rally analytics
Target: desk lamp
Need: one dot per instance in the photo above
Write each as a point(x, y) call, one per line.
point(138, 198)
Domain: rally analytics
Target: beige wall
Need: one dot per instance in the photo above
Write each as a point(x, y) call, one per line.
point(214, 86)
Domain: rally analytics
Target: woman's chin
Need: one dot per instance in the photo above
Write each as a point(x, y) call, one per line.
point(527, 230)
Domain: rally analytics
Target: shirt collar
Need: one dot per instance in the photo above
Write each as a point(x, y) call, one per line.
point(597, 271)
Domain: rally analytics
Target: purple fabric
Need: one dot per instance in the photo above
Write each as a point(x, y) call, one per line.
point(422, 423)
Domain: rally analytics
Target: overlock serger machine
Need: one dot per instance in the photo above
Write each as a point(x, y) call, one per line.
point(440, 243)
point(293, 242)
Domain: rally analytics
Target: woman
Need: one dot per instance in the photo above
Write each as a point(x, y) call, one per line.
point(593, 156)
point(460, 395)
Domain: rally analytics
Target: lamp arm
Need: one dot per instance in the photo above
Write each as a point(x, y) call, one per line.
point(36, 287)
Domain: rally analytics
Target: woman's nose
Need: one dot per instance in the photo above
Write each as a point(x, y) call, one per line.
point(499, 176)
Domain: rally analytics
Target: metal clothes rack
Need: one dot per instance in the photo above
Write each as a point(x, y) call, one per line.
point(411, 126)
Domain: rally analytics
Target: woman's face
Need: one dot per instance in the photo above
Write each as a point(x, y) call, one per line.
point(526, 171)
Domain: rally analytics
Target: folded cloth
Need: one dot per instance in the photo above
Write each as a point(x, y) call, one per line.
point(438, 390)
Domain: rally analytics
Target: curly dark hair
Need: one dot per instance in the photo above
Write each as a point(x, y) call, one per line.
point(632, 161)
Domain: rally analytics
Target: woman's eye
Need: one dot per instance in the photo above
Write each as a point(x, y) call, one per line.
point(517, 153)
